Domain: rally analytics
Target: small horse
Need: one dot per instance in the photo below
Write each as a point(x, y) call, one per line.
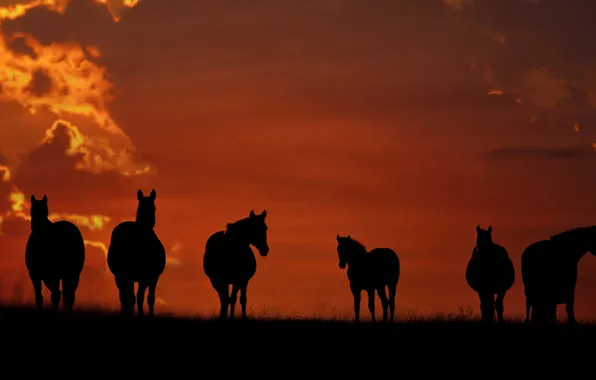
point(490, 272)
point(369, 271)
point(55, 252)
point(229, 260)
point(137, 255)
point(549, 273)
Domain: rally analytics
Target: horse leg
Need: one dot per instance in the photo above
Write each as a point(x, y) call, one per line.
point(243, 299)
point(69, 287)
point(224, 299)
point(500, 306)
point(356, 295)
point(552, 312)
point(392, 289)
point(233, 298)
point(141, 297)
point(528, 310)
point(151, 296)
point(371, 303)
point(570, 310)
point(384, 301)
point(127, 295)
point(487, 307)
point(37, 289)
point(55, 294)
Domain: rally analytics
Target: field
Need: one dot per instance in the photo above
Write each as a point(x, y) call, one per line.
point(300, 343)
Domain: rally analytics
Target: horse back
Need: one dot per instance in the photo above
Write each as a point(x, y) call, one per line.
point(59, 251)
point(545, 272)
point(135, 252)
point(387, 264)
point(226, 261)
point(490, 271)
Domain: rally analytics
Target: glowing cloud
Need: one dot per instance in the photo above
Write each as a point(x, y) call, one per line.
point(63, 79)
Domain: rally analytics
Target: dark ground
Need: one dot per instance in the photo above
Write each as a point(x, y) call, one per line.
point(261, 348)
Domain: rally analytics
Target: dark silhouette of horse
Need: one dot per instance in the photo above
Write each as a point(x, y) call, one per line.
point(549, 273)
point(55, 252)
point(490, 272)
point(370, 271)
point(137, 255)
point(229, 260)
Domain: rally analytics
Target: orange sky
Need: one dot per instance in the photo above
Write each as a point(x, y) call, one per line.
point(402, 124)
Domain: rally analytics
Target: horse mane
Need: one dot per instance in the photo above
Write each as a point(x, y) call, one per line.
point(579, 232)
point(234, 225)
point(357, 245)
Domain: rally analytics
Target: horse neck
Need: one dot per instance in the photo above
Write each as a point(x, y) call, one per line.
point(358, 257)
point(485, 248)
point(40, 225)
point(573, 253)
point(579, 252)
point(144, 223)
point(235, 235)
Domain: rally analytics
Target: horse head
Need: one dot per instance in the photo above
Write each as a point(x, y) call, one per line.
point(39, 212)
point(484, 237)
point(257, 232)
point(347, 248)
point(146, 209)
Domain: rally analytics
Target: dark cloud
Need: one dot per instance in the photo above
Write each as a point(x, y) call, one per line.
point(529, 152)
point(41, 83)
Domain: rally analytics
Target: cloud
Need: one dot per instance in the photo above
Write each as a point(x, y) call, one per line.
point(529, 152)
point(47, 168)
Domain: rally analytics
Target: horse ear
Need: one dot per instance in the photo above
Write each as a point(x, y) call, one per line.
point(490, 228)
point(338, 238)
point(264, 214)
point(349, 237)
point(252, 213)
point(153, 194)
point(139, 194)
point(33, 198)
point(478, 228)
point(45, 198)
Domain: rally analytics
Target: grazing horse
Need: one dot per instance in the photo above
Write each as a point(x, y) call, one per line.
point(137, 255)
point(55, 252)
point(369, 271)
point(549, 273)
point(490, 273)
point(229, 260)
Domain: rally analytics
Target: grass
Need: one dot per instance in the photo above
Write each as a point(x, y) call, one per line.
point(463, 324)
point(447, 343)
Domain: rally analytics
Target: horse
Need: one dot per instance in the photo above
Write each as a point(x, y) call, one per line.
point(136, 254)
point(55, 252)
point(490, 272)
point(549, 273)
point(229, 260)
point(370, 271)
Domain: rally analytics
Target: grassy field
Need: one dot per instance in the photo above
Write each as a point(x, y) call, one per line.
point(106, 324)
point(263, 345)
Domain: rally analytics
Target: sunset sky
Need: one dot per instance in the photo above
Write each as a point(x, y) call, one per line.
point(404, 123)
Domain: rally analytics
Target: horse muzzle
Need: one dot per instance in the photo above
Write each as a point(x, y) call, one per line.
point(342, 265)
point(264, 251)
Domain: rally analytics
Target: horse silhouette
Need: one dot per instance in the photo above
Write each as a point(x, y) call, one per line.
point(490, 272)
point(370, 271)
point(137, 255)
point(55, 252)
point(549, 273)
point(229, 260)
